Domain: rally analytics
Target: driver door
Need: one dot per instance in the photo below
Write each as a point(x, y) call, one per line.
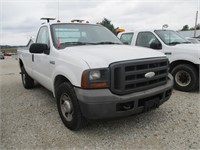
point(41, 66)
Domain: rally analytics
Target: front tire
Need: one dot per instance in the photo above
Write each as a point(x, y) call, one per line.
point(185, 77)
point(68, 107)
point(27, 81)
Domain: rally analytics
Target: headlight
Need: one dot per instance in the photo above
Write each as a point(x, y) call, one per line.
point(94, 75)
point(95, 78)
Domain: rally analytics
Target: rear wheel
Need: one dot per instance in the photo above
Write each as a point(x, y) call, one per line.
point(27, 81)
point(185, 77)
point(68, 107)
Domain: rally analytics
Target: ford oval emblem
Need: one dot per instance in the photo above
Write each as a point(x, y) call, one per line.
point(149, 74)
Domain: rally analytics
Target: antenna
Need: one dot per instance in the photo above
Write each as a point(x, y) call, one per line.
point(47, 19)
point(58, 10)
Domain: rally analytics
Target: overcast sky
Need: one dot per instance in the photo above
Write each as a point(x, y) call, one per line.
point(20, 19)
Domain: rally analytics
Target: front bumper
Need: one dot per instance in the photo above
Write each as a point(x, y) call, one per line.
point(102, 104)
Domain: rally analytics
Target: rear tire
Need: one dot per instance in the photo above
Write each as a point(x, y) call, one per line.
point(68, 107)
point(185, 77)
point(27, 81)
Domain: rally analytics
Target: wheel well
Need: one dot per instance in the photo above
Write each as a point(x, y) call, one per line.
point(58, 80)
point(175, 63)
point(21, 63)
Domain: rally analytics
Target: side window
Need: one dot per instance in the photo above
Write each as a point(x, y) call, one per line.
point(43, 36)
point(126, 38)
point(148, 39)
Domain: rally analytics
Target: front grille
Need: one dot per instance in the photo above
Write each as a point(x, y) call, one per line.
point(129, 76)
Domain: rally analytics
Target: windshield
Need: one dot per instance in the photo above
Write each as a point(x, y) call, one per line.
point(170, 37)
point(65, 35)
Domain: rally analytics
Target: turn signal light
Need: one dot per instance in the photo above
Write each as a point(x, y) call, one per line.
point(84, 80)
point(99, 85)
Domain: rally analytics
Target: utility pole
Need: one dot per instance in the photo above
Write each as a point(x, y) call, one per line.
point(195, 24)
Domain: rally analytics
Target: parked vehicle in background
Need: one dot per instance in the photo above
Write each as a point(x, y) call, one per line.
point(7, 54)
point(1, 55)
point(92, 74)
point(193, 40)
point(184, 57)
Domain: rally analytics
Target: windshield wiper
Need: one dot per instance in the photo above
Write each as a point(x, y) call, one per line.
point(106, 43)
point(186, 42)
point(77, 43)
point(69, 44)
point(174, 43)
point(66, 44)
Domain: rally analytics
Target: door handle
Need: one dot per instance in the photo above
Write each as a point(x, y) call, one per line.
point(32, 57)
point(52, 62)
point(168, 53)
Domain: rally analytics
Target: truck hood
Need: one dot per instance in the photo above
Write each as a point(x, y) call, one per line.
point(100, 56)
point(188, 47)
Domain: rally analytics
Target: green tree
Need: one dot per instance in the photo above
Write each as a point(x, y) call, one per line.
point(198, 26)
point(192, 28)
point(185, 28)
point(107, 23)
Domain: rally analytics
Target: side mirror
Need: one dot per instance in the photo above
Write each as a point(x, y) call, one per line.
point(124, 42)
point(155, 45)
point(38, 48)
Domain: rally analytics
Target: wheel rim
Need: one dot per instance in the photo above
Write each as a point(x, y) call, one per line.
point(66, 106)
point(183, 78)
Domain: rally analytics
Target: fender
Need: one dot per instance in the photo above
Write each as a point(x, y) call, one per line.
point(183, 57)
point(73, 76)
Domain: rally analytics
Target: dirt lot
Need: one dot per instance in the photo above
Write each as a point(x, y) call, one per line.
point(29, 120)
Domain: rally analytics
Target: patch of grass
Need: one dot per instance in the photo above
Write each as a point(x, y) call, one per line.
point(9, 50)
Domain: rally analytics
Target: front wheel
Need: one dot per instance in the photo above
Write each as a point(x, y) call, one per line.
point(27, 81)
point(68, 107)
point(185, 77)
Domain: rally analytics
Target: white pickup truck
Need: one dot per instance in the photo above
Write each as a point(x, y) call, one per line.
point(184, 57)
point(92, 74)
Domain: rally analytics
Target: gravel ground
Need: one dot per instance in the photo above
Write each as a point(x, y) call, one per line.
point(29, 120)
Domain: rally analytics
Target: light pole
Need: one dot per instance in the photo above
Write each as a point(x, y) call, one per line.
point(195, 26)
